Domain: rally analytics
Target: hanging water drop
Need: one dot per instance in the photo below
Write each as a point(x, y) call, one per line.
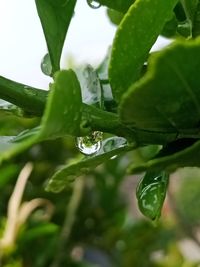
point(91, 144)
point(93, 4)
point(46, 66)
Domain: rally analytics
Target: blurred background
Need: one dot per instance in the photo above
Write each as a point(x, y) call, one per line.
point(95, 222)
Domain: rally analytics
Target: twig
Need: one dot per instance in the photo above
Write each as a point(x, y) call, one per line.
point(69, 221)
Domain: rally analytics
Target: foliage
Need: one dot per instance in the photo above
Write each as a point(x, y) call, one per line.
point(138, 111)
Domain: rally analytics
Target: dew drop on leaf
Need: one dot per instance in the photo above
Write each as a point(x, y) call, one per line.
point(91, 144)
point(93, 4)
point(46, 66)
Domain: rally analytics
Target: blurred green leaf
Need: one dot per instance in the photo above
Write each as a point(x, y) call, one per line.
point(110, 147)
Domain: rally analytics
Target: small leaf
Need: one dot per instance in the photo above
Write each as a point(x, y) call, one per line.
point(151, 194)
point(110, 147)
point(135, 36)
point(55, 17)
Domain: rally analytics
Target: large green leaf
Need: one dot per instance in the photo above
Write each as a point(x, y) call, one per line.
point(135, 37)
point(110, 147)
point(167, 98)
point(55, 17)
point(63, 108)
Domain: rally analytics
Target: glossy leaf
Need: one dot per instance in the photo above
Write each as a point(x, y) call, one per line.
point(55, 18)
point(167, 98)
point(151, 193)
point(110, 147)
point(135, 37)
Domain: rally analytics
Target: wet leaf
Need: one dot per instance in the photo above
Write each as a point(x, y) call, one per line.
point(151, 194)
point(110, 147)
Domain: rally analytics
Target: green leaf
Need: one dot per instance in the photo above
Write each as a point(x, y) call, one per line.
point(167, 98)
point(151, 193)
point(110, 147)
point(63, 110)
point(135, 36)
point(55, 18)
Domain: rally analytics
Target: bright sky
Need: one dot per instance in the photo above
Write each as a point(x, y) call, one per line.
point(23, 46)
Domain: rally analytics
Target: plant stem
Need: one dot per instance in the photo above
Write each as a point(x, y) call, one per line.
point(70, 217)
point(31, 100)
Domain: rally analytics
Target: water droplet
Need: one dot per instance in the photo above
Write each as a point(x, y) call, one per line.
point(91, 144)
point(46, 66)
point(113, 157)
point(93, 4)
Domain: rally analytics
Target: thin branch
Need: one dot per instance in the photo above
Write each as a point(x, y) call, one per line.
point(70, 217)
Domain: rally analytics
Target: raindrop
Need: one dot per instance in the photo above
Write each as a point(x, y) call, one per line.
point(46, 66)
point(91, 144)
point(93, 4)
